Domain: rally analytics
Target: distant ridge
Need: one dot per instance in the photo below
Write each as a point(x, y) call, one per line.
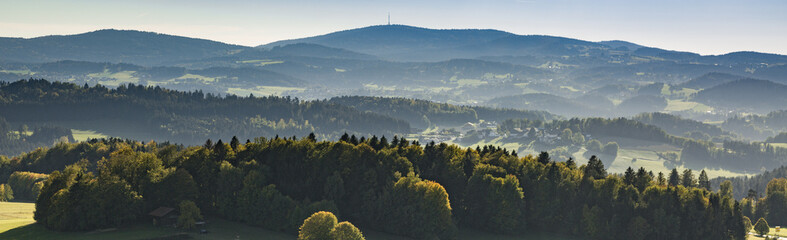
point(756, 95)
point(110, 45)
point(710, 80)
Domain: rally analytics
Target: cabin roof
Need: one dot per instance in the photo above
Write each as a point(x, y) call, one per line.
point(161, 211)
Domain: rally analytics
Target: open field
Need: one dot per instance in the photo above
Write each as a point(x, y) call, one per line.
point(117, 78)
point(84, 135)
point(681, 105)
point(15, 214)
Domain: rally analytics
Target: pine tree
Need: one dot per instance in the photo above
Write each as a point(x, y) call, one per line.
point(234, 143)
point(674, 178)
point(595, 168)
point(661, 180)
point(628, 176)
point(703, 181)
point(687, 180)
point(544, 158)
point(570, 163)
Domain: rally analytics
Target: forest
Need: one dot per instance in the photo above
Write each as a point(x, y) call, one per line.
point(403, 187)
point(15, 140)
point(423, 114)
point(145, 112)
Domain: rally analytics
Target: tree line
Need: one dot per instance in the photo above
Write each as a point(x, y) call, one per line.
point(422, 113)
point(22, 138)
point(184, 117)
point(391, 185)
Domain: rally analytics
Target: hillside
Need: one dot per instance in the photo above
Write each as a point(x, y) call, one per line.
point(154, 113)
point(550, 103)
point(710, 80)
point(398, 41)
point(760, 96)
point(117, 46)
point(423, 114)
point(678, 126)
point(315, 50)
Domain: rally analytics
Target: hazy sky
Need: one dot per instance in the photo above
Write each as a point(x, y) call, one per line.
point(703, 26)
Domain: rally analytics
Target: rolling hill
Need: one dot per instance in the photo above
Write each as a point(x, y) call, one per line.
point(117, 46)
point(710, 80)
point(751, 94)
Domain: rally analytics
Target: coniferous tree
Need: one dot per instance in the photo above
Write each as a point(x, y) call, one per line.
point(703, 181)
point(660, 180)
point(544, 158)
point(674, 178)
point(687, 179)
point(643, 179)
point(234, 143)
point(570, 163)
point(628, 176)
point(595, 168)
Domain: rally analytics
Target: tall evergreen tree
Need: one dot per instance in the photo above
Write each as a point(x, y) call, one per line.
point(544, 158)
point(703, 181)
point(687, 179)
point(674, 178)
point(628, 176)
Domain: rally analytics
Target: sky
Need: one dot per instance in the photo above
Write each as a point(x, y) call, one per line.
point(701, 26)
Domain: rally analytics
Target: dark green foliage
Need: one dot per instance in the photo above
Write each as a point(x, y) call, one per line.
point(417, 191)
point(674, 178)
point(189, 214)
point(544, 158)
point(761, 227)
point(6, 193)
point(15, 141)
point(494, 204)
point(595, 168)
point(325, 226)
point(417, 208)
point(184, 117)
point(75, 200)
point(702, 181)
point(678, 126)
point(26, 185)
point(687, 179)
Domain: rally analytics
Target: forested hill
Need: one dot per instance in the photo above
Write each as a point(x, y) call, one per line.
point(144, 48)
point(422, 114)
point(678, 126)
point(389, 185)
point(756, 95)
point(710, 80)
point(146, 113)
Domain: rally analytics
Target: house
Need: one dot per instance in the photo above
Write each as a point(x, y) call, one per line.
point(467, 127)
point(164, 216)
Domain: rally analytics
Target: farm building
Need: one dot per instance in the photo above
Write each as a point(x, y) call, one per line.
point(164, 216)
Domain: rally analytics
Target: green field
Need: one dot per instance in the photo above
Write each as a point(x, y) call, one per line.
point(260, 62)
point(681, 105)
point(15, 214)
point(84, 135)
point(117, 78)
